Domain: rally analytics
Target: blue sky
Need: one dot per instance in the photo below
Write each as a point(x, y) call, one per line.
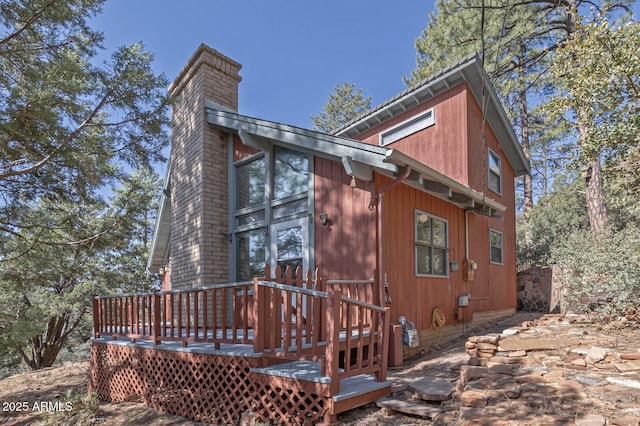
point(292, 53)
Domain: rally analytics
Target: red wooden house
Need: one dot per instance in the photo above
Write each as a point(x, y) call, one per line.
point(417, 194)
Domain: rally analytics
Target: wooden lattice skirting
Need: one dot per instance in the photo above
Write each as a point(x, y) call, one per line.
point(202, 387)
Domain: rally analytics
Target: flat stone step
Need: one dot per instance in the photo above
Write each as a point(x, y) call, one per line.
point(407, 407)
point(432, 389)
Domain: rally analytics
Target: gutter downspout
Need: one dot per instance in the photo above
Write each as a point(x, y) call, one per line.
point(376, 203)
point(466, 234)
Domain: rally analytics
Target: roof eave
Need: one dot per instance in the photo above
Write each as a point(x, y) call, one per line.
point(162, 229)
point(431, 181)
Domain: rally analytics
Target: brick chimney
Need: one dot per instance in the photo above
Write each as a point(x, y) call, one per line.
point(199, 169)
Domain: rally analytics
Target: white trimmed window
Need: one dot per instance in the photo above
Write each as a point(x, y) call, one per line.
point(495, 172)
point(409, 127)
point(495, 246)
point(430, 245)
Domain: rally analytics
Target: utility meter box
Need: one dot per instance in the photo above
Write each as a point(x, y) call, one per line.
point(463, 300)
point(469, 269)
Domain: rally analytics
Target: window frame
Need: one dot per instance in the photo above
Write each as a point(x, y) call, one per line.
point(431, 246)
point(491, 247)
point(267, 213)
point(408, 127)
point(492, 155)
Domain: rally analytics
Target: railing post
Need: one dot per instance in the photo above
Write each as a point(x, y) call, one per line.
point(96, 317)
point(259, 317)
point(333, 340)
point(156, 318)
point(384, 332)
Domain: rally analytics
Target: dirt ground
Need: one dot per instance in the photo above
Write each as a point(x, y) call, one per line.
point(59, 395)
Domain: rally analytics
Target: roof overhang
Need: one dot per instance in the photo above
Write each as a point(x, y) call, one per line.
point(428, 180)
point(467, 70)
point(162, 231)
point(359, 159)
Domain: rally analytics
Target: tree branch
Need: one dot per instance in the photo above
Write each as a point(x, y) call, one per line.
point(29, 22)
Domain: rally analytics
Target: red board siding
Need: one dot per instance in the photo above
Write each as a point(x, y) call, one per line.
point(345, 248)
point(415, 297)
point(441, 146)
point(494, 284)
point(240, 150)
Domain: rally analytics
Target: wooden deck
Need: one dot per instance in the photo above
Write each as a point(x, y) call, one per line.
point(288, 350)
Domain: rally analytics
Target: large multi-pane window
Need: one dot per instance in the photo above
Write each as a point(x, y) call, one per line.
point(430, 244)
point(271, 208)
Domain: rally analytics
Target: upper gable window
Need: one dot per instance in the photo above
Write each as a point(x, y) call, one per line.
point(409, 127)
point(495, 172)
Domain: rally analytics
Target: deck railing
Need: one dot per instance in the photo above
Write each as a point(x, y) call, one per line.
point(199, 315)
point(286, 318)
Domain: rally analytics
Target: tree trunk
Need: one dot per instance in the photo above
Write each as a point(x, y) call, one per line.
point(45, 348)
point(526, 146)
point(596, 205)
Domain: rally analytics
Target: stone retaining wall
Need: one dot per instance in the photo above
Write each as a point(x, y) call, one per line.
point(538, 290)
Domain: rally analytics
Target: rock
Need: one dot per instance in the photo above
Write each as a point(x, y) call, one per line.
point(505, 359)
point(530, 378)
point(628, 383)
point(624, 420)
point(474, 360)
point(486, 346)
point(590, 420)
point(517, 354)
point(391, 405)
point(484, 339)
point(625, 367)
point(470, 413)
point(469, 374)
point(580, 362)
point(473, 398)
point(469, 345)
point(432, 389)
point(485, 355)
point(510, 331)
point(596, 355)
point(585, 379)
point(630, 355)
point(472, 352)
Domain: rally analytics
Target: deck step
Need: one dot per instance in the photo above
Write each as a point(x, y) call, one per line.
point(359, 385)
point(299, 370)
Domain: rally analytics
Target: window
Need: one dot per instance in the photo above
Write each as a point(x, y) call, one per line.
point(291, 173)
point(409, 127)
point(495, 246)
point(431, 245)
point(250, 184)
point(271, 196)
point(494, 172)
point(251, 253)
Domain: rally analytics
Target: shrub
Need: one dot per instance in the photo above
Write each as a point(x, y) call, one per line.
point(602, 271)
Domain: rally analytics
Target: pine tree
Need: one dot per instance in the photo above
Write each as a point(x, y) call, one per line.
point(343, 105)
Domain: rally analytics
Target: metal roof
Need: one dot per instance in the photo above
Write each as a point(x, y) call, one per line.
point(469, 70)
